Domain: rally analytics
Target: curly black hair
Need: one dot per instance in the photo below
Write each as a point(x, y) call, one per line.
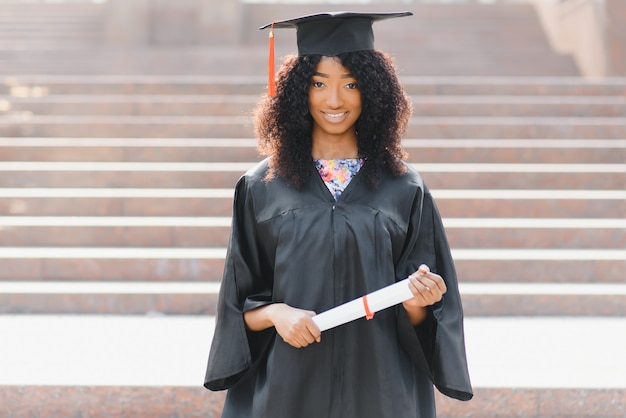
point(283, 124)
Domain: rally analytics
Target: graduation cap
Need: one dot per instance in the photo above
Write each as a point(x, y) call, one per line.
point(329, 34)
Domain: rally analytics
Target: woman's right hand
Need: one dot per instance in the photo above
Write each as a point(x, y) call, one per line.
point(294, 325)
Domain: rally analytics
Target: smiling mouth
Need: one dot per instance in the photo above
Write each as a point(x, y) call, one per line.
point(335, 116)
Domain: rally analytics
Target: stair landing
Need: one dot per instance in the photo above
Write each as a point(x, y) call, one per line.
point(121, 366)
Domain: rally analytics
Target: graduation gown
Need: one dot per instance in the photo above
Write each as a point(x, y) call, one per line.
point(303, 248)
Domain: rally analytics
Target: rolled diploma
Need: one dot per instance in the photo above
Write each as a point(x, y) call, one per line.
point(377, 301)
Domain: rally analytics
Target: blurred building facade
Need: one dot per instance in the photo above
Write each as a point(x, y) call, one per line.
point(591, 32)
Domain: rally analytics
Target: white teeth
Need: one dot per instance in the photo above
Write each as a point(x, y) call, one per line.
point(335, 115)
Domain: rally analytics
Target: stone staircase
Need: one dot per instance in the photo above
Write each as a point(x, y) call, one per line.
point(116, 194)
point(520, 185)
point(49, 26)
point(121, 223)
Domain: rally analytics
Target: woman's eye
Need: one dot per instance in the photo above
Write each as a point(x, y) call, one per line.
point(352, 86)
point(317, 84)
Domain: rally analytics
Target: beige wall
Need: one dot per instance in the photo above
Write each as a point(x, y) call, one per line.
point(616, 37)
point(592, 31)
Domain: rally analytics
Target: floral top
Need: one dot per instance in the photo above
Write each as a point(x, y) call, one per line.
point(337, 173)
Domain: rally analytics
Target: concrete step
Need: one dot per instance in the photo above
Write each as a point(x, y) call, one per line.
point(120, 202)
point(137, 149)
point(251, 60)
point(526, 106)
point(109, 297)
point(535, 233)
point(240, 126)
point(539, 203)
point(519, 366)
point(516, 151)
point(471, 59)
point(206, 263)
point(166, 401)
point(200, 298)
point(111, 264)
point(549, 86)
point(457, 203)
point(543, 299)
point(67, 41)
point(140, 105)
point(41, 85)
point(225, 174)
point(224, 105)
point(179, 232)
point(189, 232)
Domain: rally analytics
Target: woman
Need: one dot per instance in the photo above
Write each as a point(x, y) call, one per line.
point(334, 213)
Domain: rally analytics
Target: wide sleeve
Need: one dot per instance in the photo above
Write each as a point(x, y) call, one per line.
point(234, 349)
point(438, 344)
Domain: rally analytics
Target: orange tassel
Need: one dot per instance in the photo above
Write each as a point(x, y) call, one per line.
point(271, 82)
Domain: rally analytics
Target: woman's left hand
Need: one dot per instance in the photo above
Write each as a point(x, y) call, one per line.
point(427, 288)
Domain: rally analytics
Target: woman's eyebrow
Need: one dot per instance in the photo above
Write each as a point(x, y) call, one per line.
point(316, 74)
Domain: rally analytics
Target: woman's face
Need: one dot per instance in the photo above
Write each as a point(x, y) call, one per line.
point(334, 99)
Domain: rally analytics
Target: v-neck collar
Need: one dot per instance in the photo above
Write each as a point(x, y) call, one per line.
point(338, 174)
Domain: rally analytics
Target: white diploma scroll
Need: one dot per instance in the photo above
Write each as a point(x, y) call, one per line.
point(376, 301)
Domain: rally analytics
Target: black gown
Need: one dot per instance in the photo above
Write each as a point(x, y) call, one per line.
point(305, 249)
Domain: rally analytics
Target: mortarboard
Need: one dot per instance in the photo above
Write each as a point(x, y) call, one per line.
point(329, 34)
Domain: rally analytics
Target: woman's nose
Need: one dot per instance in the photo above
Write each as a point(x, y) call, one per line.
point(334, 98)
